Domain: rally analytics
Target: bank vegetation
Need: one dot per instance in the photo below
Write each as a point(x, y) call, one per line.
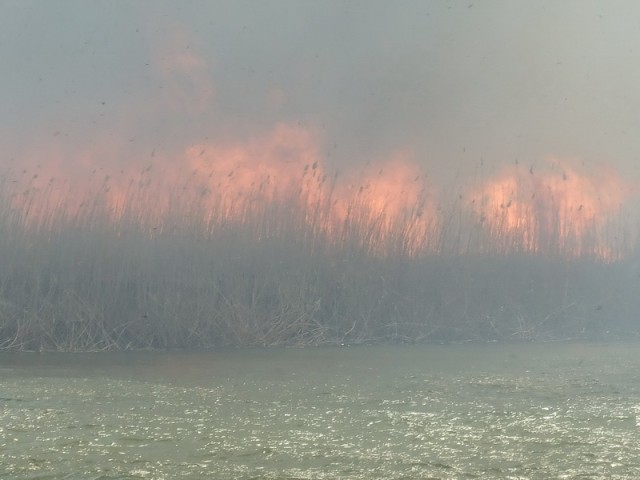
point(276, 275)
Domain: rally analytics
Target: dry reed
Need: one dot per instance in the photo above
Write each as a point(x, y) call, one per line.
point(90, 276)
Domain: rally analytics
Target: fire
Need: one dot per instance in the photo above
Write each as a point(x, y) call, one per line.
point(277, 181)
point(393, 198)
point(285, 167)
point(240, 182)
point(264, 169)
point(553, 208)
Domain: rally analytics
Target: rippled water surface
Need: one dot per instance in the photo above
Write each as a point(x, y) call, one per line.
point(492, 411)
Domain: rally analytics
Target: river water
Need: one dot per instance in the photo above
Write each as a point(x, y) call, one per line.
point(442, 412)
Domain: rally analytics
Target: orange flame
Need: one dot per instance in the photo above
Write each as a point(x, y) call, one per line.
point(391, 197)
point(278, 177)
point(388, 207)
point(553, 208)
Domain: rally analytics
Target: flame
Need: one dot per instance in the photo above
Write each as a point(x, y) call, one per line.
point(553, 208)
point(285, 167)
point(273, 180)
point(239, 182)
point(277, 180)
point(263, 169)
point(393, 198)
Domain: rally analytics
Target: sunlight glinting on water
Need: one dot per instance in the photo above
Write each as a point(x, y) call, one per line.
point(483, 422)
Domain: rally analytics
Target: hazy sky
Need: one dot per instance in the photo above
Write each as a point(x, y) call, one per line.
point(448, 83)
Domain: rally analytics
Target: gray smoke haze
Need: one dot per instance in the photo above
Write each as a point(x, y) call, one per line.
point(452, 83)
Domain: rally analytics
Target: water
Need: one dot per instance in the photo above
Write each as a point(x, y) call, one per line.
point(447, 412)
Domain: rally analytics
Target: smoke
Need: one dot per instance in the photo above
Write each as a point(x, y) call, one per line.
point(393, 104)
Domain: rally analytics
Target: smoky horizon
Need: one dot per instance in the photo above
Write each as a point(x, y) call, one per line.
point(515, 115)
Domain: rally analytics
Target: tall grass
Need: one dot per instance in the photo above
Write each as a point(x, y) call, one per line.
point(284, 271)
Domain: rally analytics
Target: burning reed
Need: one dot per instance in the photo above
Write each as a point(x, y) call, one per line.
point(242, 257)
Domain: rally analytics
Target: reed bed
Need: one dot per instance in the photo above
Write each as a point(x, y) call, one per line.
point(89, 275)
